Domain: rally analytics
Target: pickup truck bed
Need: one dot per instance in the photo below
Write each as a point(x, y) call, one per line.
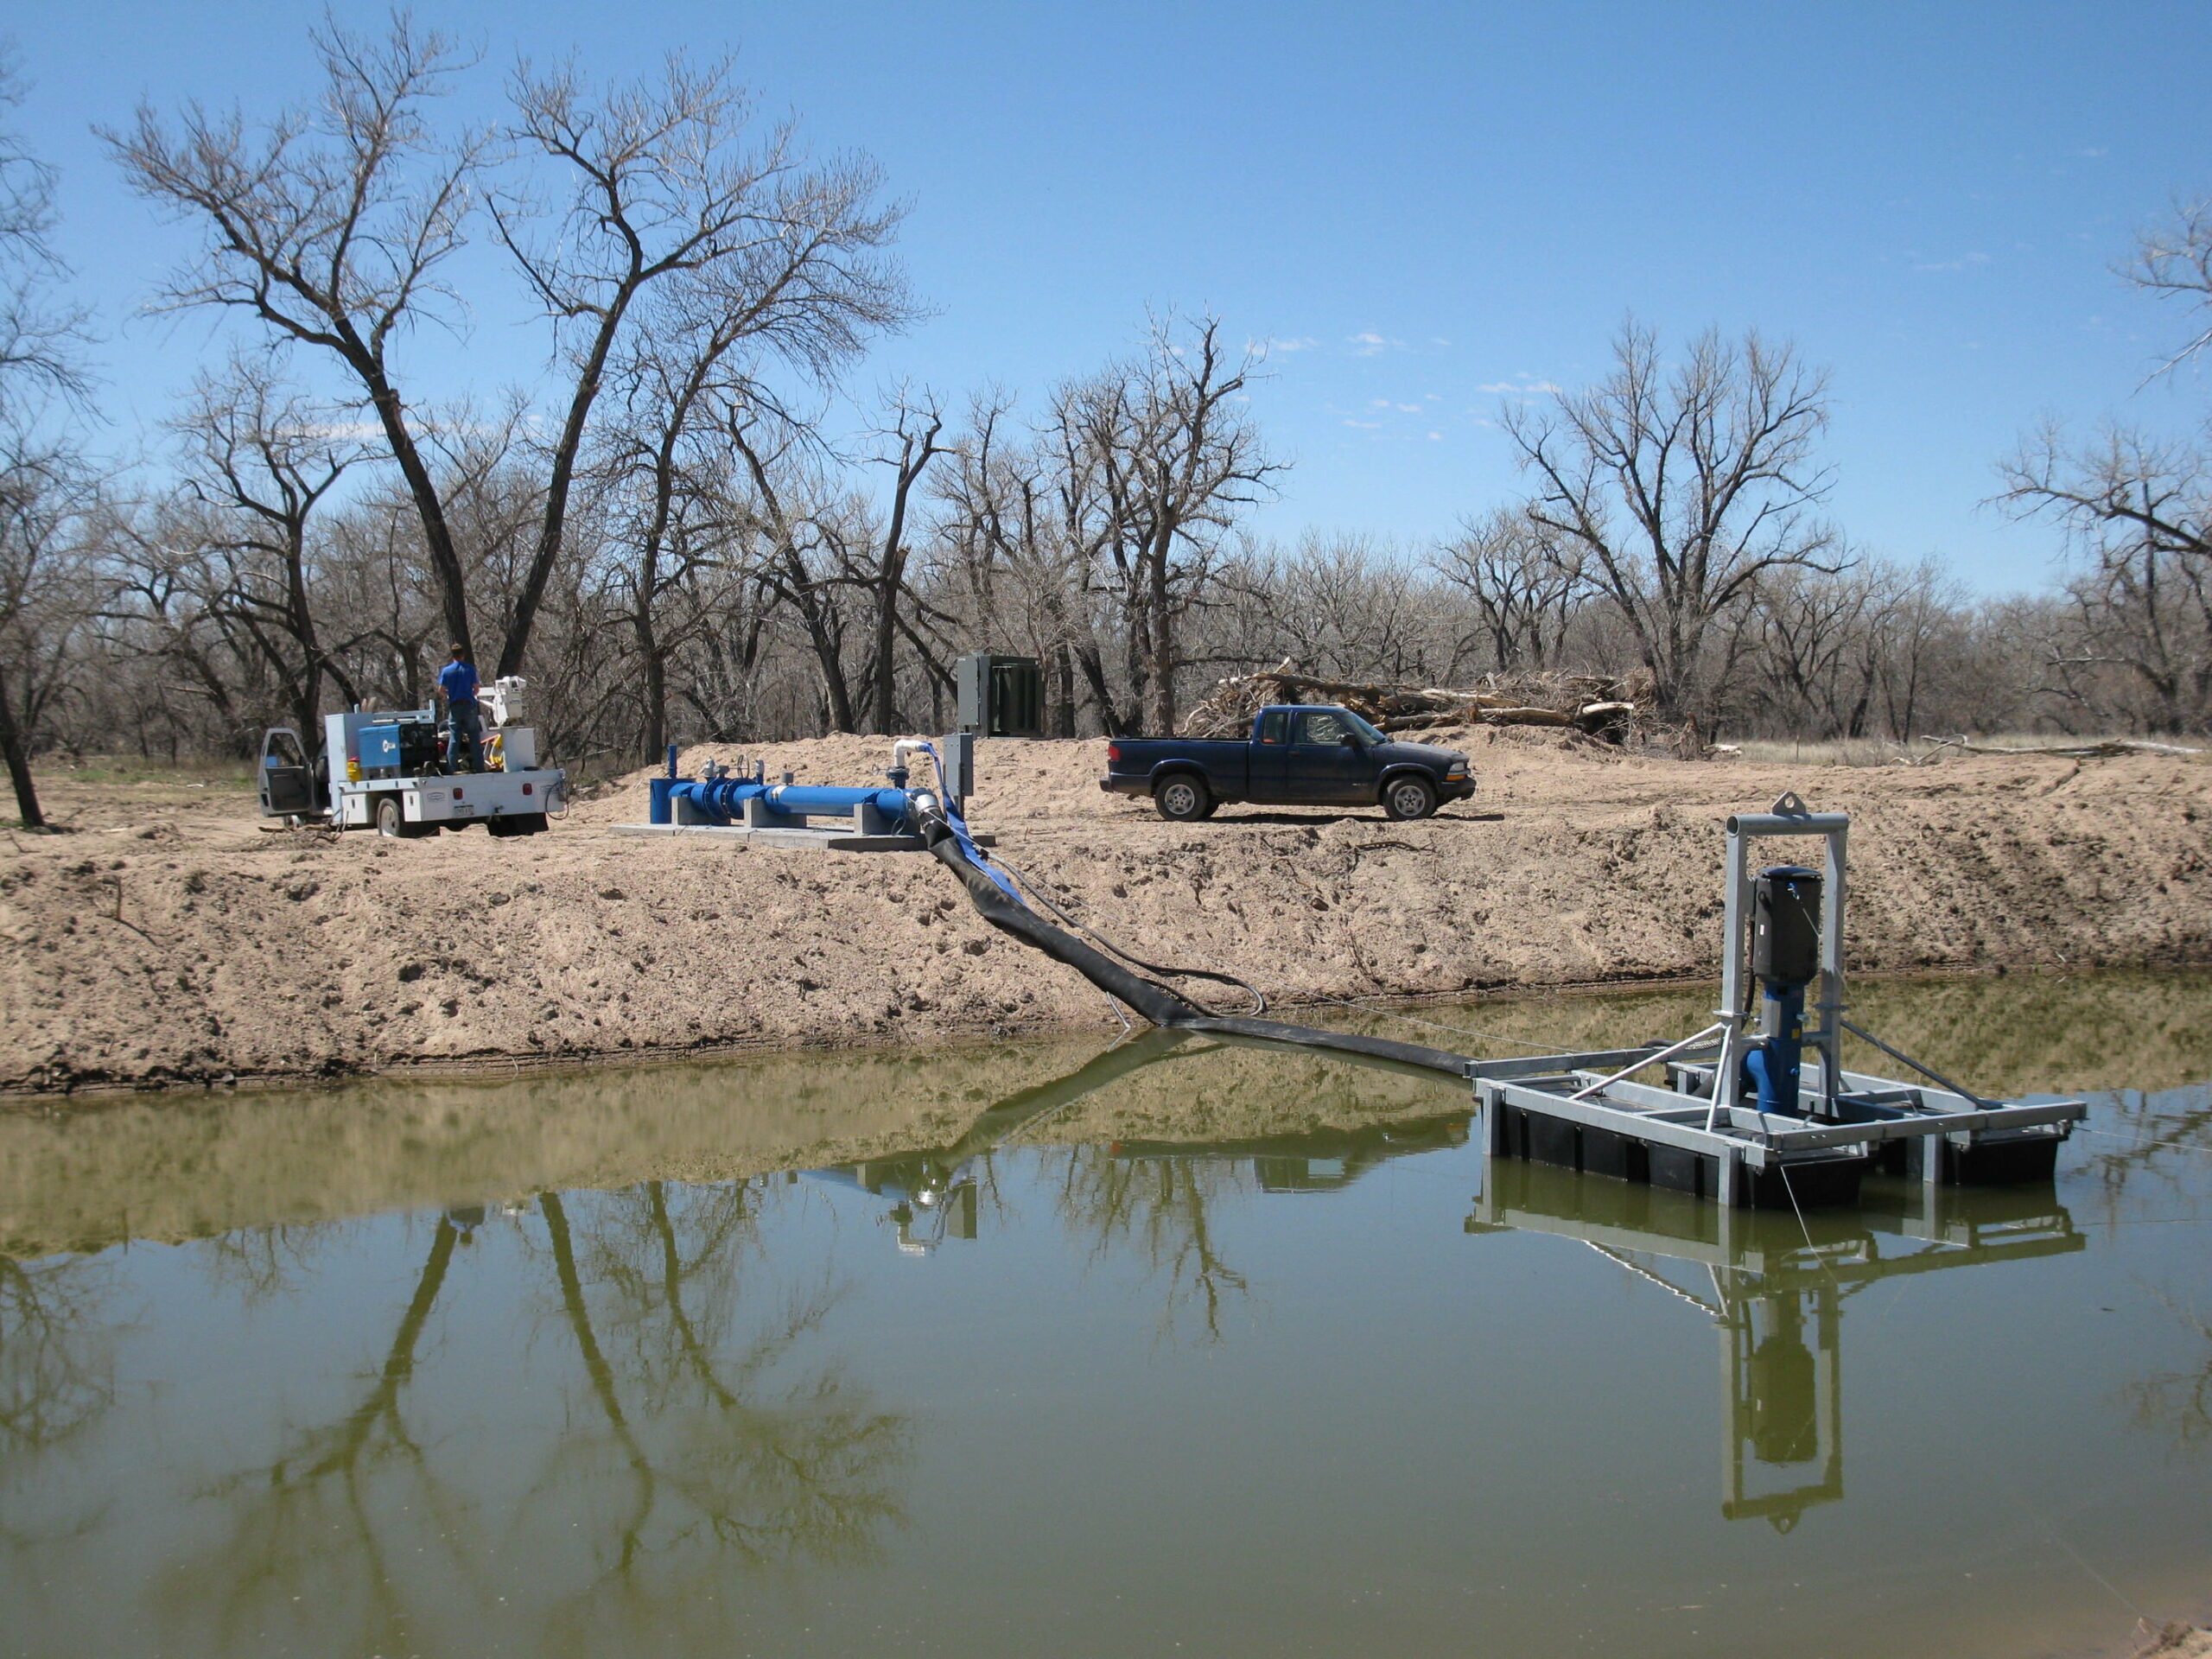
point(1304, 754)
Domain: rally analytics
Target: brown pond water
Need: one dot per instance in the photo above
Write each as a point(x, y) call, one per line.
point(1025, 1349)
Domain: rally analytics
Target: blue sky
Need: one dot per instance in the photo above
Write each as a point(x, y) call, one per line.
point(1425, 206)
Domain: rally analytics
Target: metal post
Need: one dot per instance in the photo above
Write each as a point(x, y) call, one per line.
point(1830, 1037)
point(1728, 1077)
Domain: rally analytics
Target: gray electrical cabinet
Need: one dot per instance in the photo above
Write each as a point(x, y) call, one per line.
point(999, 697)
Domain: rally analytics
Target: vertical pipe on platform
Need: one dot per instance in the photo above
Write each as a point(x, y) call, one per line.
point(1726, 1083)
point(1830, 1037)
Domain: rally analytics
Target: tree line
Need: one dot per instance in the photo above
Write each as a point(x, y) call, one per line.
point(674, 539)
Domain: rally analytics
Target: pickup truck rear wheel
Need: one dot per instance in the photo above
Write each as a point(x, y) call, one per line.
point(1183, 796)
point(1409, 796)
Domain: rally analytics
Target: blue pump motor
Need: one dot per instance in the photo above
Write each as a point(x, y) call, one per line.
point(1785, 959)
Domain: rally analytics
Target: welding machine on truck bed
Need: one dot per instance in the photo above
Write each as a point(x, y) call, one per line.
point(385, 769)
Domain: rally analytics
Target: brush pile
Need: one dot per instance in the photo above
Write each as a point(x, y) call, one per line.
point(1616, 711)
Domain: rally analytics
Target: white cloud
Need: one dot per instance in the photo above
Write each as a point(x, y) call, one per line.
point(1269, 347)
point(1435, 437)
point(1366, 426)
point(1960, 264)
point(1409, 409)
point(1367, 343)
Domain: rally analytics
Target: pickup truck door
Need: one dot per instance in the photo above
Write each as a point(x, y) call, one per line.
point(1327, 765)
point(286, 780)
point(1270, 774)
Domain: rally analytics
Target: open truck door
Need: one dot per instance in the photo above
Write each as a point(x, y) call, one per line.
point(288, 788)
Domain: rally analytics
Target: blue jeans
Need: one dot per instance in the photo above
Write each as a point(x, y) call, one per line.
point(464, 737)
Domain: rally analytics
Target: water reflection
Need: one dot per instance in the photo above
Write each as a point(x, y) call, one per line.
point(694, 1426)
point(700, 1403)
point(1148, 1200)
point(2155, 1144)
point(56, 1341)
point(1776, 1287)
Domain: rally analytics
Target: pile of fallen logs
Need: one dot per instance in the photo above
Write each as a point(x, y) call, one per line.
point(1615, 710)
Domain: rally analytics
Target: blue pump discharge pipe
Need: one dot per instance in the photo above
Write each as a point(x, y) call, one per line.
point(723, 800)
point(1773, 1066)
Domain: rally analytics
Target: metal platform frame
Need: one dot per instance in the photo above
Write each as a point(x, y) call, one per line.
point(1696, 1134)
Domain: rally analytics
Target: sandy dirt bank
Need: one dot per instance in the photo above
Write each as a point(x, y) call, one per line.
point(170, 938)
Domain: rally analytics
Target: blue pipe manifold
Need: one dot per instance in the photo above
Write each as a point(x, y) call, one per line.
point(724, 800)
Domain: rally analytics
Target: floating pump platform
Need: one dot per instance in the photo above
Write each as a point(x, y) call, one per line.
point(1757, 1108)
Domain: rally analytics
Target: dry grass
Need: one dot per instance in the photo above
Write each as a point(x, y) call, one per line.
point(109, 770)
point(1878, 750)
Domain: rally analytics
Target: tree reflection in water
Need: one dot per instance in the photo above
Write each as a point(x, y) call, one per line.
point(714, 1445)
point(57, 1369)
point(341, 1508)
point(57, 1378)
point(682, 1446)
point(1161, 1208)
point(2161, 1140)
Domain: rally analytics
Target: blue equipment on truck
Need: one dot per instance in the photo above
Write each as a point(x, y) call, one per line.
point(384, 771)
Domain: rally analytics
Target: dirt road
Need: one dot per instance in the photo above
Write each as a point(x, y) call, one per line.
point(171, 938)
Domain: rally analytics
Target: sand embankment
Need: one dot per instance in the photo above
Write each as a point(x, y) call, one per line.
point(171, 938)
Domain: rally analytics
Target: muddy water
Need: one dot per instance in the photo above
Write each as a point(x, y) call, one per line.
point(1027, 1349)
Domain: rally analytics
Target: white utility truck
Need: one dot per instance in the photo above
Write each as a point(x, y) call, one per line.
point(386, 770)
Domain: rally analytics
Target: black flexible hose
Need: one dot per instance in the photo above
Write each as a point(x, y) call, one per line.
point(1023, 879)
point(1161, 1006)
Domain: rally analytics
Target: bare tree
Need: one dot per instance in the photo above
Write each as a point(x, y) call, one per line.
point(1686, 488)
point(331, 228)
point(910, 442)
point(46, 500)
point(999, 558)
point(42, 494)
point(1157, 455)
point(41, 336)
point(665, 183)
point(2140, 512)
point(266, 459)
point(791, 525)
point(2175, 262)
point(1525, 581)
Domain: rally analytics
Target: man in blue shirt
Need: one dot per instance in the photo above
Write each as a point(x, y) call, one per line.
point(464, 720)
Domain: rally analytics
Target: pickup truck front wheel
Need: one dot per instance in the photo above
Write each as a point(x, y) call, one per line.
point(1409, 796)
point(1183, 797)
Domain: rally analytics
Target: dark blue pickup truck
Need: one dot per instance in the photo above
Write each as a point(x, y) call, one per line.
point(1300, 754)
